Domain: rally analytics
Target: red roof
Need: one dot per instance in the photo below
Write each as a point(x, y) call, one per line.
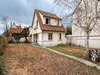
point(47, 14)
point(16, 30)
point(45, 27)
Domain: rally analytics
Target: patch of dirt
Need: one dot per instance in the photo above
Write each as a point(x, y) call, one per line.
point(29, 60)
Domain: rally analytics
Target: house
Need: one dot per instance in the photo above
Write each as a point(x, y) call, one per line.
point(78, 35)
point(47, 29)
point(15, 30)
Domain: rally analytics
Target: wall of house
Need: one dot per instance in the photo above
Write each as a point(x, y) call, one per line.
point(55, 40)
point(36, 29)
point(39, 38)
point(94, 41)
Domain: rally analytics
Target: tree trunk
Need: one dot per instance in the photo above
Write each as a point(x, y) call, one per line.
point(26, 39)
point(87, 45)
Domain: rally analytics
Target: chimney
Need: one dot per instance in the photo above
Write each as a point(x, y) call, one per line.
point(11, 24)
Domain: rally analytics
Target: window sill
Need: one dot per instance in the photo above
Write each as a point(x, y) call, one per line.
point(60, 40)
point(50, 40)
point(35, 28)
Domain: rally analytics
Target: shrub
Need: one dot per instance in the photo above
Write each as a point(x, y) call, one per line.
point(31, 35)
point(3, 43)
point(1, 46)
point(2, 72)
point(17, 38)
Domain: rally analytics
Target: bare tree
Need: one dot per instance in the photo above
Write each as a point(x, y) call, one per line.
point(25, 33)
point(6, 26)
point(86, 15)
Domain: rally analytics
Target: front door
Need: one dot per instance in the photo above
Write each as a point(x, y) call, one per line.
point(36, 38)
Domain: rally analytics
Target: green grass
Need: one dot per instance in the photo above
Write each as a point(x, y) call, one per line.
point(76, 54)
point(96, 71)
point(37, 44)
point(60, 49)
point(2, 72)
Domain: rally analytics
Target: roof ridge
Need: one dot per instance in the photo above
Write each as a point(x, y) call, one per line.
point(48, 14)
point(45, 11)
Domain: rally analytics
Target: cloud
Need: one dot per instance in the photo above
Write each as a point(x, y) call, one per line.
point(21, 11)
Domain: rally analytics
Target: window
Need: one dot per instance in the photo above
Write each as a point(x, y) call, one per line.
point(36, 25)
point(60, 36)
point(58, 22)
point(50, 36)
point(36, 22)
point(47, 21)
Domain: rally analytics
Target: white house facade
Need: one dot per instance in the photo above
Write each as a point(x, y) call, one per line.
point(47, 29)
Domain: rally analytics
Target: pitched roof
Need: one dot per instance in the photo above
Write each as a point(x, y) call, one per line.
point(46, 27)
point(18, 29)
point(47, 14)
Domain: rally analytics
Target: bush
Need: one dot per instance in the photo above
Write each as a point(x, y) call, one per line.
point(3, 43)
point(17, 38)
point(31, 35)
point(2, 72)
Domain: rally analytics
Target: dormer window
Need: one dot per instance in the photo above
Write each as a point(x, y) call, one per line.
point(47, 21)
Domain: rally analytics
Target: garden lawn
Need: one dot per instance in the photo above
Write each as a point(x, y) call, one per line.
point(30, 60)
point(71, 50)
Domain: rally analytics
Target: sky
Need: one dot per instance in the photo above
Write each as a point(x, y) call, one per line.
point(21, 11)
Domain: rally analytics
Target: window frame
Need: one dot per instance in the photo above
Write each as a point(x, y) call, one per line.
point(47, 21)
point(58, 22)
point(36, 25)
point(50, 36)
point(60, 36)
point(36, 22)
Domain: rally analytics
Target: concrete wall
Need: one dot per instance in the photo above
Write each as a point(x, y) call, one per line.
point(22, 40)
point(94, 41)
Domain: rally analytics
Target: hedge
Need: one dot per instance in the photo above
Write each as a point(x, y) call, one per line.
point(3, 43)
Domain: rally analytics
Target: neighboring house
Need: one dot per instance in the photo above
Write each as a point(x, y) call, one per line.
point(47, 29)
point(78, 35)
point(15, 30)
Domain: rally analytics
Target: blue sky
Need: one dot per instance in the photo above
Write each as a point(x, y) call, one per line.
point(21, 11)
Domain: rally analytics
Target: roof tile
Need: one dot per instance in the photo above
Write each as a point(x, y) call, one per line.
point(16, 30)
